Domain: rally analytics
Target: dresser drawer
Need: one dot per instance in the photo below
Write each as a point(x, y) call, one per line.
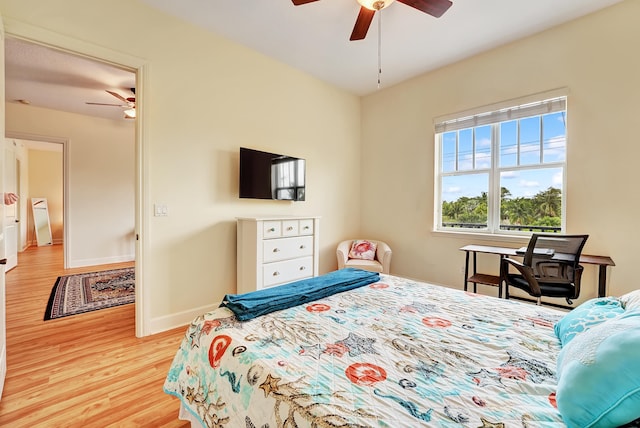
point(287, 271)
point(287, 248)
point(306, 227)
point(272, 229)
point(290, 228)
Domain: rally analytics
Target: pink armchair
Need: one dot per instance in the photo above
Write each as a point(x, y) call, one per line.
point(381, 263)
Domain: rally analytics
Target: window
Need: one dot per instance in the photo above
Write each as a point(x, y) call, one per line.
point(503, 170)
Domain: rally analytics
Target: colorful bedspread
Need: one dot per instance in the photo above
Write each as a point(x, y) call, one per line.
point(395, 353)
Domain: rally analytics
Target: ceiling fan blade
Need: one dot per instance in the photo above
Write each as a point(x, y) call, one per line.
point(103, 104)
point(299, 2)
point(362, 23)
point(434, 8)
point(118, 96)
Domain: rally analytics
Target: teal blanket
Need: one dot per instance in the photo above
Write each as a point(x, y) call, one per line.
point(251, 305)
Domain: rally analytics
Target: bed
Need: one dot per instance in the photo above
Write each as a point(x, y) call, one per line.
point(392, 353)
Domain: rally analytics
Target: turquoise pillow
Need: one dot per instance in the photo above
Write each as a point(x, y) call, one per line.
point(587, 315)
point(599, 375)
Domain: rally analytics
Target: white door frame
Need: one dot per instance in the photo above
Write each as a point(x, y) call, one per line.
point(11, 226)
point(58, 41)
point(3, 304)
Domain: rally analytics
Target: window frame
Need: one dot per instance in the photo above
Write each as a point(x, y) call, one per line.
point(475, 117)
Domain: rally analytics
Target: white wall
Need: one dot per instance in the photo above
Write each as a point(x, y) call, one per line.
point(596, 58)
point(101, 181)
point(206, 98)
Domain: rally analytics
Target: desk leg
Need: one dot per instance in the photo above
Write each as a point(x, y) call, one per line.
point(500, 278)
point(475, 265)
point(466, 270)
point(602, 281)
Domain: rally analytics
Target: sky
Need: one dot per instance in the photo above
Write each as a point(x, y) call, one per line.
point(542, 144)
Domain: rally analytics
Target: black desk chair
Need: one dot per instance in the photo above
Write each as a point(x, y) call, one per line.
point(550, 267)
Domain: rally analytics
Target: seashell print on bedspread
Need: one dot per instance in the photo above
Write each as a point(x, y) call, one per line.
point(396, 353)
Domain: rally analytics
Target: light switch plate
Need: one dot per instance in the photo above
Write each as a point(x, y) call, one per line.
point(160, 210)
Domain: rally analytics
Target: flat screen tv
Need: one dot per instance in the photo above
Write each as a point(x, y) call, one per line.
point(266, 175)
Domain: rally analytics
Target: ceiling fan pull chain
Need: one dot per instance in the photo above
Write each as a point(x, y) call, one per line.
point(379, 46)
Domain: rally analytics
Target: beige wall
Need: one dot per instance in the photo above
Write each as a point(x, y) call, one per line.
point(45, 181)
point(206, 98)
point(595, 58)
point(101, 180)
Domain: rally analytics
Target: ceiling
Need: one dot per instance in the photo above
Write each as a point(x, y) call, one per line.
point(53, 79)
point(313, 38)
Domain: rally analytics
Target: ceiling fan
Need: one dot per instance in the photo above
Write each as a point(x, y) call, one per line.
point(129, 103)
point(368, 8)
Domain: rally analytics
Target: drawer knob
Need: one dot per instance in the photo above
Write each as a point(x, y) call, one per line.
point(276, 273)
point(302, 268)
point(302, 247)
point(276, 250)
point(306, 228)
point(290, 228)
point(273, 229)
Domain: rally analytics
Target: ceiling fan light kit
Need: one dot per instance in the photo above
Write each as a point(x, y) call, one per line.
point(375, 4)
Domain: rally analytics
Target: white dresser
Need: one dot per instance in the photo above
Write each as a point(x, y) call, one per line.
point(276, 250)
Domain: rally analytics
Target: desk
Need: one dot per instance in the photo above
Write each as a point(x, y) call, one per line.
point(494, 280)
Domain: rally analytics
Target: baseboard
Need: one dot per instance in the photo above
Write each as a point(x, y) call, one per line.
point(179, 319)
point(101, 261)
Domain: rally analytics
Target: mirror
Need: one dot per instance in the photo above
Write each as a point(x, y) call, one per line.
point(41, 221)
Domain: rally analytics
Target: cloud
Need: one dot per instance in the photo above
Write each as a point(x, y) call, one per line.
point(529, 183)
point(483, 142)
point(555, 149)
point(483, 160)
point(557, 179)
point(508, 175)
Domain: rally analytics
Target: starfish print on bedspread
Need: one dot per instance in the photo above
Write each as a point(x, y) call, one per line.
point(194, 336)
point(336, 349)
point(270, 384)
point(312, 351)
point(487, 424)
point(486, 378)
point(358, 345)
point(207, 411)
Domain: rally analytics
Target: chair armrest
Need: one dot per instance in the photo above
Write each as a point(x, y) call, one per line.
point(383, 254)
point(342, 252)
point(525, 271)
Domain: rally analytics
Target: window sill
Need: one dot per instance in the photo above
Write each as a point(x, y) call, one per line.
point(491, 237)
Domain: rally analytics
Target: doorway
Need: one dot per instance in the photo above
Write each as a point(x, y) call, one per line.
point(136, 67)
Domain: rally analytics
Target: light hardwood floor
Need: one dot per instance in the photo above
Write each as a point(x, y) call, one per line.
point(83, 370)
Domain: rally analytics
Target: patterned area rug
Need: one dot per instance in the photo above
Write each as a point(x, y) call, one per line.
point(76, 294)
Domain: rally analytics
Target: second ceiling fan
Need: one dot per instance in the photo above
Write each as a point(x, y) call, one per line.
point(368, 8)
point(128, 103)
